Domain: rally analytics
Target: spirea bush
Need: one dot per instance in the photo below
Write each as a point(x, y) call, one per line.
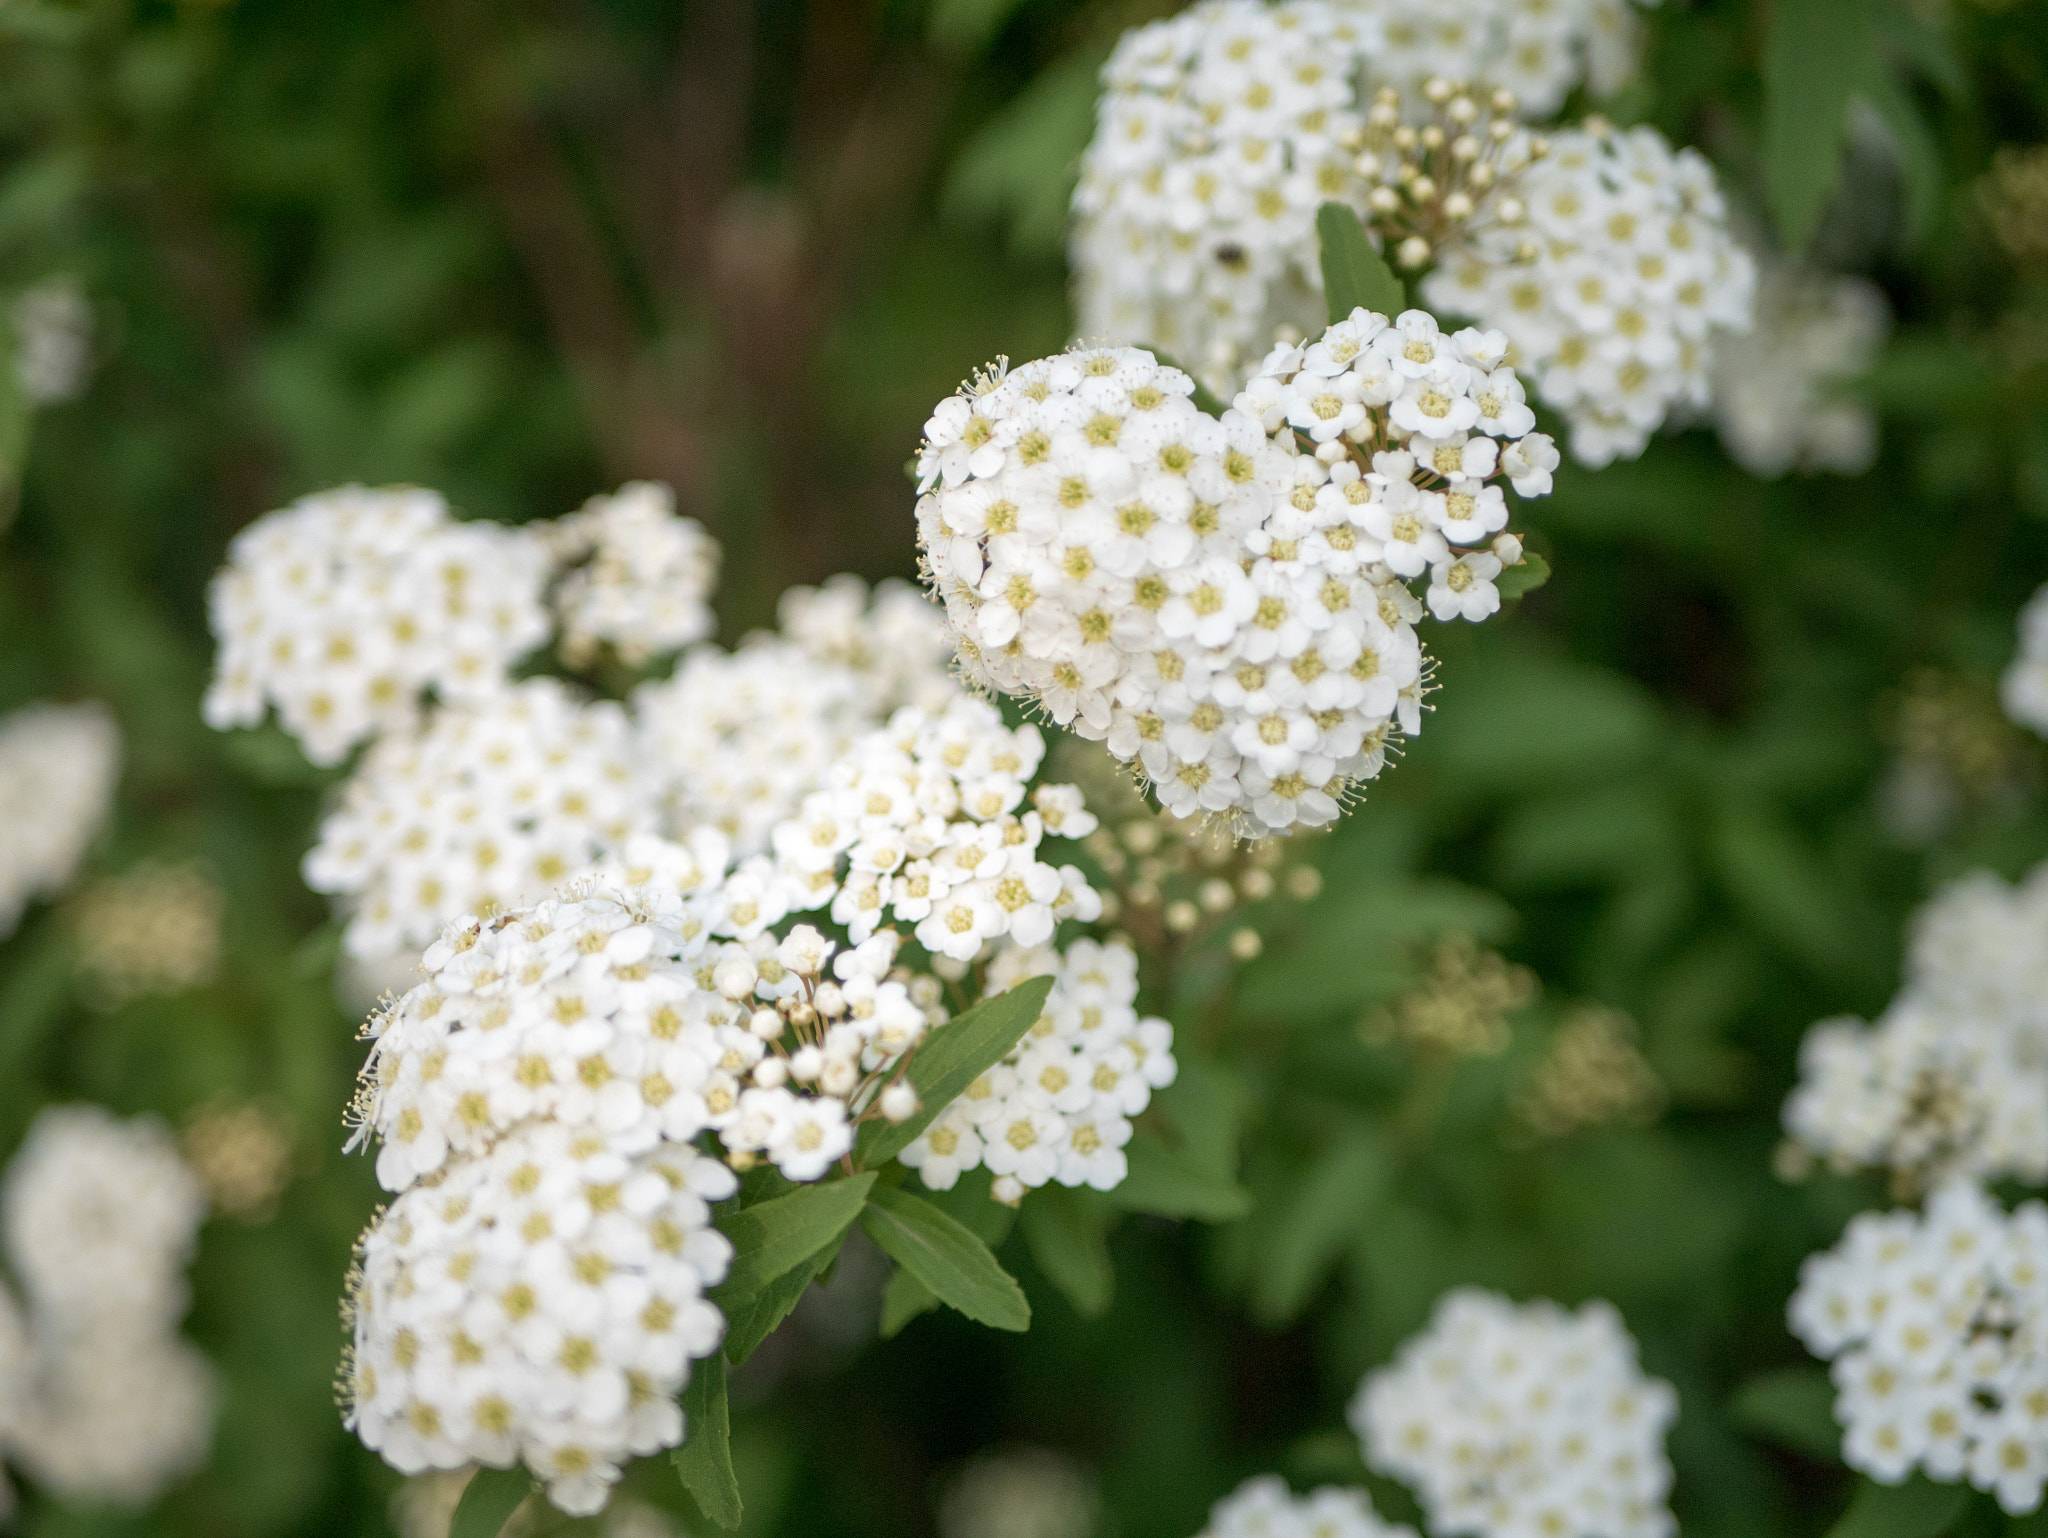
point(696, 706)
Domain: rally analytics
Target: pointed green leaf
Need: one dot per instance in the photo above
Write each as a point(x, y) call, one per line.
point(1067, 1234)
point(1531, 574)
point(1354, 275)
point(704, 1461)
point(1794, 1408)
point(773, 1238)
point(1819, 55)
point(1164, 1181)
point(751, 1320)
point(488, 1501)
point(953, 1057)
point(1322, 1213)
point(1919, 1508)
point(1919, 159)
point(946, 1257)
point(903, 1300)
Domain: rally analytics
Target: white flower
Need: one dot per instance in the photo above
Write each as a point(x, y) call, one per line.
point(1937, 1324)
point(640, 576)
point(58, 765)
point(2024, 686)
point(1263, 1507)
point(1779, 401)
point(1510, 1419)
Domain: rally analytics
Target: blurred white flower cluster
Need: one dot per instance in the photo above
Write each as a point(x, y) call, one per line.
point(635, 575)
point(741, 737)
point(1225, 602)
point(2024, 687)
point(1936, 1324)
point(1953, 1078)
point(1263, 1507)
point(1513, 1419)
point(100, 1398)
point(52, 342)
point(1603, 256)
point(1614, 288)
point(58, 765)
point(1777, 390)
point(1058, 1107)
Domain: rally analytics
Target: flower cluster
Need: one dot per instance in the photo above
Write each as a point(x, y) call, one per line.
point(1778, 401)
point(487, 805)
point(1225, 601)
point(58, 764)
point(153, 929)
point(1953, 1078)
point(1263, 1507)
point(1937, 1328)
point(1538, 51)
point(1614, 288)
point(1058, 1107)
point(345, 607)
point(52, 325)
point(740, 738)
point(1593, 1074)
point(637, 576)
point(104, 1399)
point(1523, 1419)
point(539, 1304)
point(2024, 687)
point(1459, 1007)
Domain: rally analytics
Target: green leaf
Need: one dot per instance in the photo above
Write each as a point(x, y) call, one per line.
point(704, 1461)
point(1919, 159)
point(1819, 54)
point(1323, 1212)
point(1354, 275)
point(751, 1320)
point(946, 1257)
point(1165, 1182)
point(903, 1300)
point(1066, 1231)
point(953, 1057)
point(773, 1238)
point(1794, 1408)
point(488, 1502)
point(967, 26)
point(1020, 166)
point(1919, 1508)
point(1531, 574)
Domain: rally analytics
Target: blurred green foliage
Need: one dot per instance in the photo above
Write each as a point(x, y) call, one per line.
point(523, 251)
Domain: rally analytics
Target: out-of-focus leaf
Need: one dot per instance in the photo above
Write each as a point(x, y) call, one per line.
point(967, 26)
point(1775, 880)
point(752, 1319)
point(1020, 166)
point(1165, 1182)
point(1521, 721)
point(1918, 157)
point(704, 1461)
point(1794, 1407)
point(903, 1299)
point(953, 1057)
point(488, 1501)
point(1918, 1508)
point(1317, 1218)
point(947, 1257)
point(1818, 56)
point(771, 1239)
point(1354, 275)
point(1065, 1230)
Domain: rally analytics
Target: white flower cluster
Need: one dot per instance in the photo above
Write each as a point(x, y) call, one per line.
point(638, 576)
point(1058, 1107)
point(1953, 1078)
point(741, 737)
point(1539, 49)
point(1778, 401)
point(1213, 601)
point(490, 804)
point(2024, 687)
point(1510, 1420)
point(1937, 1328)
point(58, 765)
point(100, 1399)
point(342, 609)
point(1616, 287)
point(541, 1304)
point(1263, 1507)
point(52, 341)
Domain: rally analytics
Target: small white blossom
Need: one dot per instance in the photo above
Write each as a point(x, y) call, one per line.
point(58, 765)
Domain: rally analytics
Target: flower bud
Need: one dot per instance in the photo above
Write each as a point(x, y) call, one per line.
point(838, 1076)
point(767, 1024)
point(1245, 945)
point(1217, 895)
point(771, 1072)
point(1007, 1189)
point(734, 977)
point(1508, 548)
point(899, 1102)
point(1414, 251)
point(1182, 916)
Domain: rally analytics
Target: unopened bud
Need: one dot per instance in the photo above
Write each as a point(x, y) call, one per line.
point(1511, 211)
point(830, 999)
point(734, 977)
point(1384, 200)
point(1439, 90)
point(1182, 916)
point(1304, 882)
point(1217, 895)
point(1463, 109)
point(1007, 1189)
point(1245, 945)
point(1414, 251)
point(1367, 166)
point(1458, 206)
point(1422, 189)
point(1256, 884)
point(1383, 115)
point(899, 1102)
point(1503, 100)
point(771, 1072)
point(741, 1159)
point(1509, 549)
point(767, 1024)
point(1404, 138)
point(1330, 453)
point(1464, 147)
point(838, 1076)
point(1432, 137)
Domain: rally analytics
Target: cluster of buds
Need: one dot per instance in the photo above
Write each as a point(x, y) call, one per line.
point(823, 1046)
point(1446, 178)
point(1460, 1007)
